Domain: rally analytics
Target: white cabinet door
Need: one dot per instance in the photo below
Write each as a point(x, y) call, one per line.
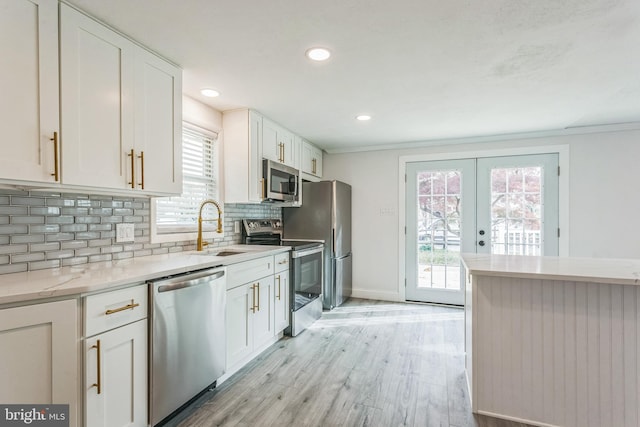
point(311, 159)
point(158, 125)
point(281, 301)
point(29, 88)
point(39, 357)
point(243, 156)
point(288, 142)
point(256, 182)
point(239, 324)
point(263, 321)
point(116, 377)
point(270, 144)
point(97, 78)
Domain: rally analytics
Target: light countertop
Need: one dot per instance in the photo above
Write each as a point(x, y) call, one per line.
point(597, 270)
point(86, 278)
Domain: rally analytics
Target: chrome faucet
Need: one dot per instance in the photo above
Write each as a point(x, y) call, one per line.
point(199, 243)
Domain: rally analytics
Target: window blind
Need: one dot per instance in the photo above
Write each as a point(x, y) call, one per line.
point(179, 214)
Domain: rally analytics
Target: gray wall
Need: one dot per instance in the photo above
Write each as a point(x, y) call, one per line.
point(49, 230)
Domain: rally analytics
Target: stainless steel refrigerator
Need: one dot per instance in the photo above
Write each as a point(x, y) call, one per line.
point(325, 215)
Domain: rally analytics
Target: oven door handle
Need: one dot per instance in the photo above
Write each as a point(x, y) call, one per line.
point(306, 252)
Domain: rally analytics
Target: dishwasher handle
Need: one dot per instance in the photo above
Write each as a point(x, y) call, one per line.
point(199, 279)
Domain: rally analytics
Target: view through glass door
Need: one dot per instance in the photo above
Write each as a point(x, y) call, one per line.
point(440, 205)
point(499, 205)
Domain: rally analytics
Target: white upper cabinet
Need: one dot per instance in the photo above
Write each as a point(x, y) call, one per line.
point(120, 111)
point(158, 124)
point(311, 159)
point(243, 156)
point(97, 78)
point(278, 144)
point(29, 88)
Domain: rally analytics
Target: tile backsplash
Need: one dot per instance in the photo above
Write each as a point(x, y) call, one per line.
point(49, 230)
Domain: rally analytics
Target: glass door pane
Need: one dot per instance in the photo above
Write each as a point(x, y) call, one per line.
point(440, 200)
point(518, 205)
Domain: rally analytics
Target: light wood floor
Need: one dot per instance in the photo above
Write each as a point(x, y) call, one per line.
point(366, 363)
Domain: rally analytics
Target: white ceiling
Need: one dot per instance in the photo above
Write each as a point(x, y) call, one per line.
point(423, 69)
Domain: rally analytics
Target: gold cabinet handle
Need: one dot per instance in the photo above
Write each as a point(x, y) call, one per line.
point(281, 154)
point(258, 292)
point(263, 189)
point(98, 383)
point(141, 157)
point(253, 298)
point(131, 154)
point(56, 171)
point(130, 306)
point(278, 278)
point(313, 166)
point(282, 262)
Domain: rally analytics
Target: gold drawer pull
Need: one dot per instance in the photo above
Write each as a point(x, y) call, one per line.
point(98, 383)
point(126, 307)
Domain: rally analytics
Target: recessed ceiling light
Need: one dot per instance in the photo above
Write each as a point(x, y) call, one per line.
point(363, 117)
point(318, 54)
point(211, 93)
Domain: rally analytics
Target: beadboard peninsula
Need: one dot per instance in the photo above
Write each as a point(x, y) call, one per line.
point(553, 341)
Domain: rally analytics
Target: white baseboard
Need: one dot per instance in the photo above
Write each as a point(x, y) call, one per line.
point(376, 295)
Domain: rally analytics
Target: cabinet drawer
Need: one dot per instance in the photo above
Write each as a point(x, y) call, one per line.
point(112, 309)
point(244, 272)
point(281, 262)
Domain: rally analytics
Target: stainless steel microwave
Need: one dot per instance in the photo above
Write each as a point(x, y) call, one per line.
point(280, 181)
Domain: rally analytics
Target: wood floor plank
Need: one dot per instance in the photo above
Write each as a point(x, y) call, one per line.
point(365, 363)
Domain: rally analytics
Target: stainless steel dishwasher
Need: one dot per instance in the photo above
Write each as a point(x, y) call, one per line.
point(187, 338)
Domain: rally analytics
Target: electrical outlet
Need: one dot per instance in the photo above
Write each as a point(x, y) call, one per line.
point(236, 226)
point(124, 233)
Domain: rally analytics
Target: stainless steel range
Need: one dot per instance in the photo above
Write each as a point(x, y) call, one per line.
point(306, 274)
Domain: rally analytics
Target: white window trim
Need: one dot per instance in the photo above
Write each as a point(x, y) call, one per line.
point(156, 237)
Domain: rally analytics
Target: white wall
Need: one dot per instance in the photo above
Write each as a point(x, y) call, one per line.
point(604, 199)
point(199, 114)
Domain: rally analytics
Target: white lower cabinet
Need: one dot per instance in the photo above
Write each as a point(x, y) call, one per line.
point(116, 377)
point(39, 355)
point(115, 358)
point(281, 310)
point(249, 319)
point(257, 307)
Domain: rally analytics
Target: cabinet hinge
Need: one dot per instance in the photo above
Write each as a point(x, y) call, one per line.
point(558, 232)
point(405, 282)
point(558, 170)
point(405, 229)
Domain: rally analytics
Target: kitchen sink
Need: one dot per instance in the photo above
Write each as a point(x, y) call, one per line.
point(218, 252)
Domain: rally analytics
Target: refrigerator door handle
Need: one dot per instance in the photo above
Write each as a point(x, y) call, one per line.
point(333, 241)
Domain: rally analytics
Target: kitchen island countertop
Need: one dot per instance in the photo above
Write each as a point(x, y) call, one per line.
point(99, 276)
point(594, 270)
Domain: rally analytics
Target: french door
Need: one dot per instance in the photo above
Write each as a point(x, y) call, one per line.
point(499, 205)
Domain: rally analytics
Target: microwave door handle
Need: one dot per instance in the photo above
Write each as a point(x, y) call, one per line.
point(295, 184)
